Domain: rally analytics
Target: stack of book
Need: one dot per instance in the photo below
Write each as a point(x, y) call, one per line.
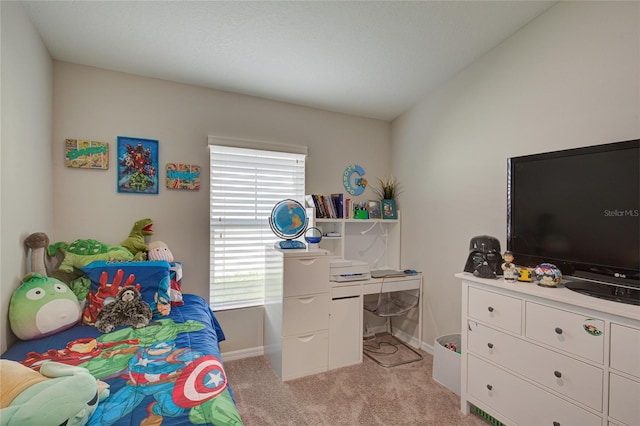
point(328, 207)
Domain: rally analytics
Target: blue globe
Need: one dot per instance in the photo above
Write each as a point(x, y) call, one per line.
point(288, 219)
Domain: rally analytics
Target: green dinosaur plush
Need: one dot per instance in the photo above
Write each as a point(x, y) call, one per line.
point(135, 242)
point(82, 252)
point(59, 394)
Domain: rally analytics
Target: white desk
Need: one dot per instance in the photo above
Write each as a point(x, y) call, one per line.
point(346, 314)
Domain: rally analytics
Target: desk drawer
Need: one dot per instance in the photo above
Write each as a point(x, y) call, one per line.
point(578, 380)
point(624, 395)
point(521, 401)
point(304, 314)
point(570, 332)
point(304, 355)
point(306, 275)
point(496, 309)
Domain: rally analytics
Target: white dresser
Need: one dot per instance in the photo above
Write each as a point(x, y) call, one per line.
point(296, 323)
point(533, 355)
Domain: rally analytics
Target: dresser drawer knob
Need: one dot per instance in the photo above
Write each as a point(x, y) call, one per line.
point(558, 330)
point(490, 345)
point(490, 308)
point(557, 374)
point(489, 387)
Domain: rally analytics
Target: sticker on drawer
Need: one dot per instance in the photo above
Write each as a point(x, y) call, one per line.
point(591, 327)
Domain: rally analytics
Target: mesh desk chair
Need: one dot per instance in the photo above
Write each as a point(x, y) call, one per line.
point(388, 305)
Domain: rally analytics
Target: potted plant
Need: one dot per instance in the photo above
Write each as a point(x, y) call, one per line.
point(388, 189)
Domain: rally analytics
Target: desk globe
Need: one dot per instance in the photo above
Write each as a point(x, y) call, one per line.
point(289, 220)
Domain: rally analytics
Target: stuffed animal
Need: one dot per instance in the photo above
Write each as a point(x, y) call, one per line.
point(135, 242)
point(42, 306)
point(159, 251)
point(127, 309)
point(59, 394)
point(82, 252)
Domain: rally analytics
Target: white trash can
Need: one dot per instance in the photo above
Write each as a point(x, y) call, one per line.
point(446, 362)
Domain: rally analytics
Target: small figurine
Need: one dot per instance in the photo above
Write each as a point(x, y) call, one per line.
point(525, 275)
point(508, 267)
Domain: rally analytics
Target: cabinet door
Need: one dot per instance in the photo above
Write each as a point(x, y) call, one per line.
point(345, 332)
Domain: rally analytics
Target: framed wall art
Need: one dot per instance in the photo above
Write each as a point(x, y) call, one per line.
point(86, 154)
point(183, 176)
point(137, 165)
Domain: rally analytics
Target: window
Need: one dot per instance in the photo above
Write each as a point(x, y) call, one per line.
point(245, 184)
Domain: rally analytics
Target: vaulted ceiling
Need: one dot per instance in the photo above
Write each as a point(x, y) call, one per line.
point(368, 58)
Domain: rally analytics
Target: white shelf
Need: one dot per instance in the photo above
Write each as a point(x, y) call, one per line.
point(375, 241)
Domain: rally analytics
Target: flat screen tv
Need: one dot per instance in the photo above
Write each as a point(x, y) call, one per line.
point(580, 210)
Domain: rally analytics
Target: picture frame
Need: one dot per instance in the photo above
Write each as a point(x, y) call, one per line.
point(389, 210)
point(86, 154)
point(374, 210)
point(183, 176)
point(137, 165)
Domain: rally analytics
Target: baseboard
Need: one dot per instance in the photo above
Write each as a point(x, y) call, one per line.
point(259, 350)
point(243, 353)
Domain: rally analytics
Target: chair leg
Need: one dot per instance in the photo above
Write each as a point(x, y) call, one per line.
point(394, 364)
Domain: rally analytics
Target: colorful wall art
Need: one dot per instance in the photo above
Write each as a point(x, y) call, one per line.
point(183, 176)
point(86, 154)
point(137, 165)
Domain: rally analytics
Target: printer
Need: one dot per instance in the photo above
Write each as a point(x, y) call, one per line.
point(343, 270)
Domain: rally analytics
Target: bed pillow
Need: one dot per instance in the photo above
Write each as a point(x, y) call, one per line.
point(175, 275)
point(151, 278)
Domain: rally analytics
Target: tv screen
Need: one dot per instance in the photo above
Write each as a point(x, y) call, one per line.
point(578, 209)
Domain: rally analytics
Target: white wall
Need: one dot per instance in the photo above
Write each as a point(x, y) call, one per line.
point(91, 103)
point(25, 154)
point(568, 79)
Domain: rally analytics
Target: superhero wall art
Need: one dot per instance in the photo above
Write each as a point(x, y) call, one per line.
point(137, 165)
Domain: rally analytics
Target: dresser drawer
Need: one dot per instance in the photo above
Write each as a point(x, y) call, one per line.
point(304, 314)
point(304, 355)
point(521, 401)
point(567, 331)
point(306, 275)
point(625, 349)
point(624, 399)
point(577, 380)
point(496, 309)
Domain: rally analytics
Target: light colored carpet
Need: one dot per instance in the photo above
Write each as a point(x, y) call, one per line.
point(363, 394)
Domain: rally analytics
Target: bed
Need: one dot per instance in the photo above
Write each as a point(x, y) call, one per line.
point(169, 372)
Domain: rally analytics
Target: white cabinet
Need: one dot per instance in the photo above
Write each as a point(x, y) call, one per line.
point(296, 324)
point(345, 326)
point(548, 356)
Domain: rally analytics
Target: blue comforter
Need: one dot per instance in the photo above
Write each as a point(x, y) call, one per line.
point(169, 371)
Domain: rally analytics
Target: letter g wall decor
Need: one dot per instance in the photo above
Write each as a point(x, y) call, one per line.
point(354, 185)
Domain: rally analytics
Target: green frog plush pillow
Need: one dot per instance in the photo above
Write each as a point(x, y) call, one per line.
point(42, 306)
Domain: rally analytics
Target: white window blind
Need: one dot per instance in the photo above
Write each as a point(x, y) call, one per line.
point(245, 184)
